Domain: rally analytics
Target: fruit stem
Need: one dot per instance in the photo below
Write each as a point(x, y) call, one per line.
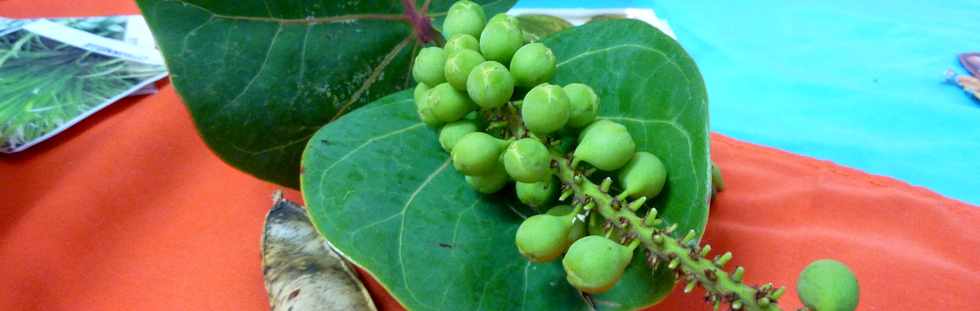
point(683, 255)
point(421, 24)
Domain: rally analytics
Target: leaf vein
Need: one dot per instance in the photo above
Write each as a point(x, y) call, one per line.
point(372, 140)
point(373, 78)
point(265, 62)
point(524, 289)
point(275, 147)
point(306, 20)
point(183, 48)
point(459, 218)
point(401, 231)
point(302, 67)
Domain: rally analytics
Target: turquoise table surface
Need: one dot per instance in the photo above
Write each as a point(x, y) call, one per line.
point(859, 83)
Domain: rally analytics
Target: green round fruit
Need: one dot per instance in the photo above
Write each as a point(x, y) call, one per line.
point(584, 104)
point(578, 229)
point(459, 65)
point(717, 182)
point(543, 237)
point(545, 109)
point(421, 90)
point(527, 160)
point(594, 263)
point(643, 176)
point(501, 17)
point(450, 134)
point(422, 106)
point(501, 38)
point(477, 154)
point(459, 42)
point(464, 17)
point(490, 85)
point(429, 66)
point(489, 183)
point(828, 285)
point(532, 64)
point(605, 144)
point(448, 104)
point(537, 194)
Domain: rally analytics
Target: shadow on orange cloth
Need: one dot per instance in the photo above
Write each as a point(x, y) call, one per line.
point(130, 211)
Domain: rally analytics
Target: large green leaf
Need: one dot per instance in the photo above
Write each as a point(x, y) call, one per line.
point(261, 76)
point(384, 193)
point(537, 26)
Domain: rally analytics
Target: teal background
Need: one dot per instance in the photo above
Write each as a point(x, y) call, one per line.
point(859, 83)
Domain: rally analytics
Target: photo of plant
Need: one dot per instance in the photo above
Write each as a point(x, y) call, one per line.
point(47, 85)
point(112, 27)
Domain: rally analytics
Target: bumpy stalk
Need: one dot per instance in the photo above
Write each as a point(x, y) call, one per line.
point(684, 256)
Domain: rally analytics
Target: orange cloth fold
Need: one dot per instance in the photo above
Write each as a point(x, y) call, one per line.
point(130, 211)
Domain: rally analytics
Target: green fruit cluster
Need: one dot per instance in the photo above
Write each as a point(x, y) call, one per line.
point(502, 120)
point(479, 68)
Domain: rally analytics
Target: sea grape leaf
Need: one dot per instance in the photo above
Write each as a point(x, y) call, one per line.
point(537, 26)
point(261, 76)
point(382, 191)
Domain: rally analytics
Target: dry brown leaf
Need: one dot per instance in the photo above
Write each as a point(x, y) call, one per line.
point(301, 270)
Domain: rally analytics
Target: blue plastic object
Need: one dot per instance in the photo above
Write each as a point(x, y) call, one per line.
point(859, 83)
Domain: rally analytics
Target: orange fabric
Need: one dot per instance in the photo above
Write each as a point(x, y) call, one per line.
point(129, 210)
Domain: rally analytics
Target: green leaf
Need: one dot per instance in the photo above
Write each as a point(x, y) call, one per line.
point(537, 26)
point(260, 77)
point(603, 17)
point(382, 191)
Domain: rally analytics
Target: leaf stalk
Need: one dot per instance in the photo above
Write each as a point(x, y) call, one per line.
point(683, 255)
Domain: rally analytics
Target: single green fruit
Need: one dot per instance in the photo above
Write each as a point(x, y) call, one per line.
point(428, 67)
point(578, 229)
point(828, 285)
point(489, 183)
point(584, 104)
point(643, 176)
point(605, 144)
point(527, 160)
point(717, 183)
point(501, 17)
point(532, 64)
point(450, 134)
point(543, 237)
point(545, 109)
point(422, 106)
point(464, 17)
point(459, 65)
point(477, 154)
point(501, 38)
point(448, 104)
point(490, 85)
point(537, 194)
point(459, 42)
point(420, 90)
point(594, 263)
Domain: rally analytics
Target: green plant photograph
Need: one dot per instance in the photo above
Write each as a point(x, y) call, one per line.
point(47, 85)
